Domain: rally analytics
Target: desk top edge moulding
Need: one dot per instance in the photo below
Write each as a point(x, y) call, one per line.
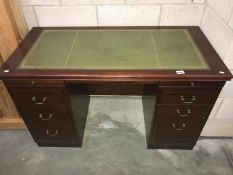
point(54, 70)
point(155, 53)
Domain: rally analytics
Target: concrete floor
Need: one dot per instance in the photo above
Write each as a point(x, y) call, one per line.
point(114, 144)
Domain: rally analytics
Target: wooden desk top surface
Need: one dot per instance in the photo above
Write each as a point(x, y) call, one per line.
point(116, 54)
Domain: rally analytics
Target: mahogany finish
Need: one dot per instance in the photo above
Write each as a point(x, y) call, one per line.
point(179, 95)
point(177, 122)
point(54, 103)
point(214, 61)
point(46, 116)
point(47, 112)
point(55, 134)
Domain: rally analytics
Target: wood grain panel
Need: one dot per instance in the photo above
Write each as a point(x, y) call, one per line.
point(12, 27)
point(12, 31)
point(16, 123)
point(1, 60)
point(8, 35)
point(7, 107)
point(18, 18)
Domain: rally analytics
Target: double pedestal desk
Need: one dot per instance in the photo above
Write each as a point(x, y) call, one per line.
point(53, 72)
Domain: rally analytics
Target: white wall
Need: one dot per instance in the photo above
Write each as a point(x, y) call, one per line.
point(112, 12)
point(214, 16)
point(217, 24)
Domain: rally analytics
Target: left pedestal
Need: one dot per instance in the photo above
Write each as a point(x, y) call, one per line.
point(48, 114)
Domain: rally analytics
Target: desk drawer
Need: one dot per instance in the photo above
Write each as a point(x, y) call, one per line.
point(54, 134)
point(183, 112)
point(28, 82)
point(46, 116)
point(38, 97)
point(179, 123)
point(175, 131)
point(185, 96)
point(210, 84)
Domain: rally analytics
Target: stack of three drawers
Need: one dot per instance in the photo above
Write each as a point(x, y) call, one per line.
point(46, 111)
point(181, 111)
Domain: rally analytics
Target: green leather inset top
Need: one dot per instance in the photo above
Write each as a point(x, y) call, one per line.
point(115, 50)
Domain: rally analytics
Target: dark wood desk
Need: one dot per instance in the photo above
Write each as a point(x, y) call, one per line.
point(53, 72)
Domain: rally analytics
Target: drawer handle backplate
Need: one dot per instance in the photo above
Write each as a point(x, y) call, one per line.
point(55, 133)
point(42, 117)
point(180, 128)
point(188, 102)
point(188, 112)
point(39, 102)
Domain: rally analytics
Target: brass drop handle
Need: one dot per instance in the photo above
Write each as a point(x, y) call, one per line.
point(49, 133)
point(188, 112)
point(180, 128)
point(42, 117)
point(39, 102)
point(187, 102)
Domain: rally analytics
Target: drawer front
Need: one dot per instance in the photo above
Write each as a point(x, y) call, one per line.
point(32, 82)
point(179, 124)
point(176, 131)
point(183, 112)
point(54, 134)
point(38, 97)
point(184, 96)
point(210, 84)
point(46, 116)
